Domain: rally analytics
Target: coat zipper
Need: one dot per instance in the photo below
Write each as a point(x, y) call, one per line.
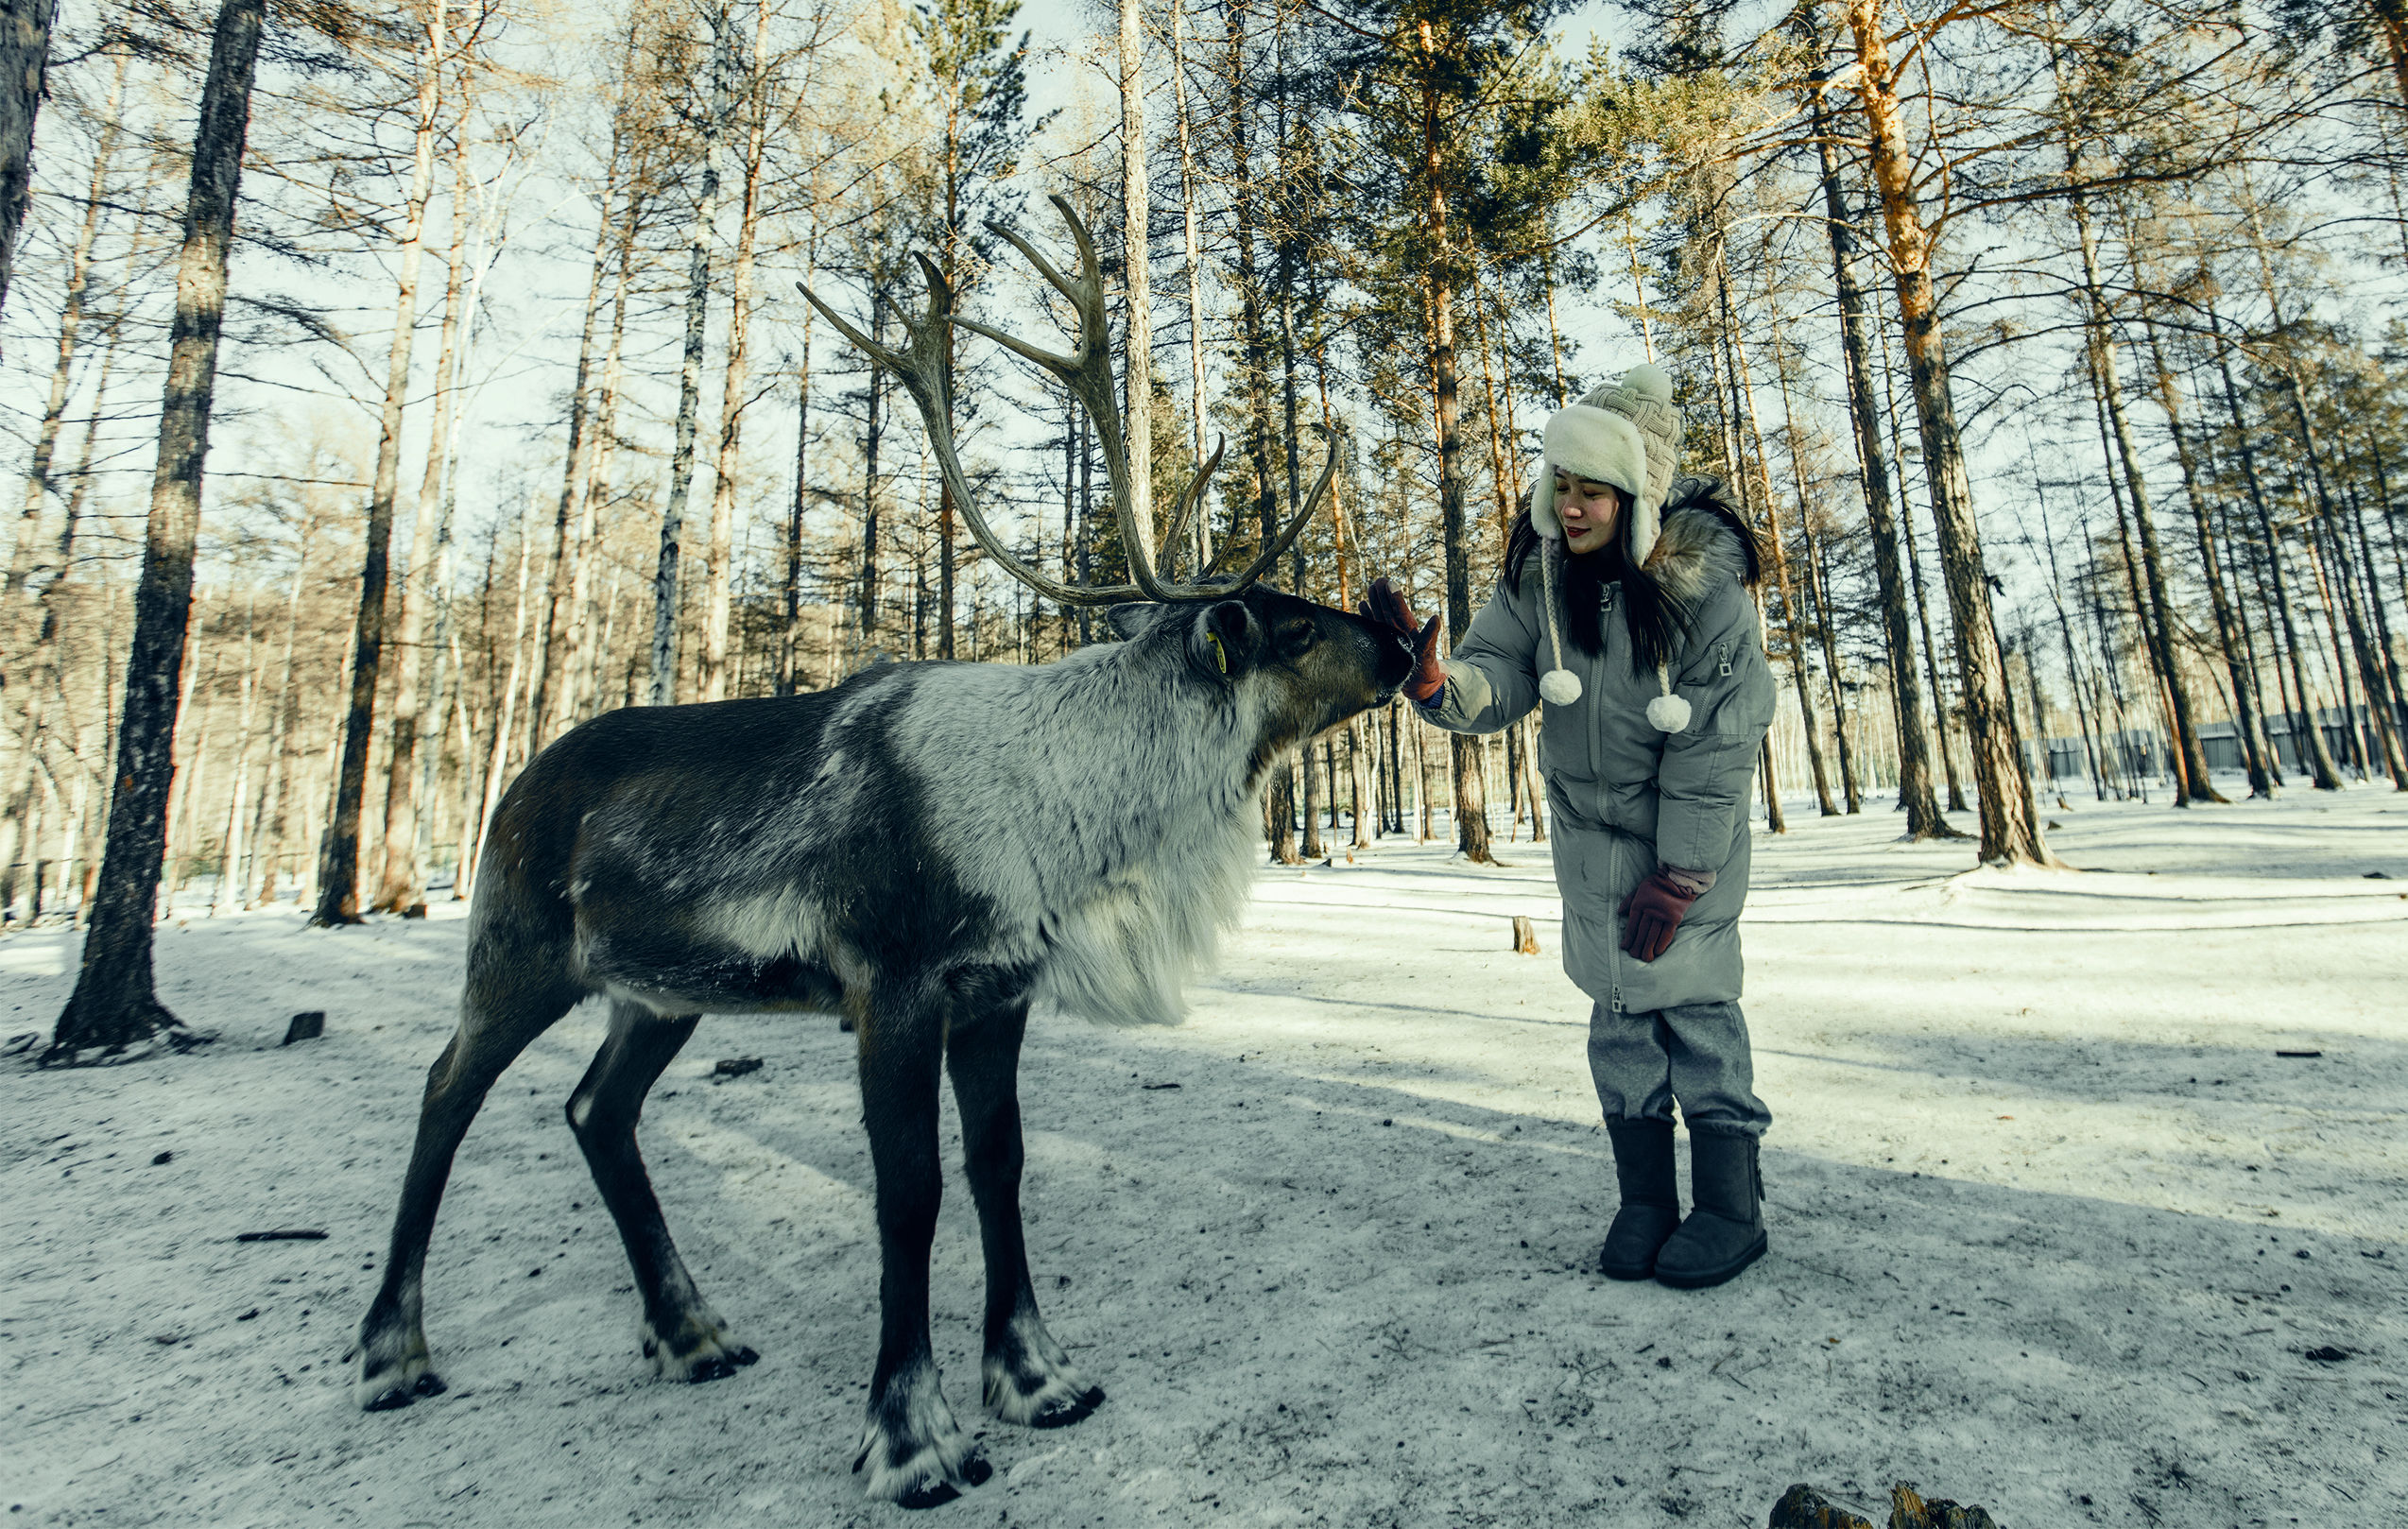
point(1596, 676)
point(1613, 944)
point(1597, 754)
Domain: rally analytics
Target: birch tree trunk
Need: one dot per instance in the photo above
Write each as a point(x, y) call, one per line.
point(1734, 475)
point(1193, 221)
point(790, 643)
point(402, 881)
point(338, 877)
point(115, 1005)
point(228, 896)
point(551, 706)
point(592, 650)
point(720, 577)
point(23, 562)
point(505, 707)
point(1137, 210)
point(870, 442)
point(663, 688)
point(184, 794)
point(285, 759)
point(2010, 831)
point(1279, 799)
point(464, 861)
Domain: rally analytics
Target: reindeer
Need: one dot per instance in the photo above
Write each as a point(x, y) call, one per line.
point(928, 849)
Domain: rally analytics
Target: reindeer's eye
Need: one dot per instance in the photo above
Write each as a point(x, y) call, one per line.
point(1299, 637)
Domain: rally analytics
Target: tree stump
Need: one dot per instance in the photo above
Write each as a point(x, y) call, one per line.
point(1907, 1510)
point(308, 1026)
point(1802, 1507)
point(1526, 935)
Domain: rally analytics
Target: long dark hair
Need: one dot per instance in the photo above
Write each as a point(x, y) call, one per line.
point(1655, 620)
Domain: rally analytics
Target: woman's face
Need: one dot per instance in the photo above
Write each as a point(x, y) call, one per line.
point(1590, 512)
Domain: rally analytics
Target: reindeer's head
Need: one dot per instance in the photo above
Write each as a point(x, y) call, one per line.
point(1297, 668)
point(1325, 663)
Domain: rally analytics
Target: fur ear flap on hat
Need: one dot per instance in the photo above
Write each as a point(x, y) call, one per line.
point(1597, 444)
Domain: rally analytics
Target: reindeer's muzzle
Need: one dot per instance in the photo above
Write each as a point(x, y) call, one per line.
point(1392, 657)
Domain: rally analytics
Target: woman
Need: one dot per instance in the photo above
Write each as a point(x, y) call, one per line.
point(1625, 604)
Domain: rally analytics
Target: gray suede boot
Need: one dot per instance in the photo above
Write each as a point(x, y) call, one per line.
point(1650, 1198)
point(1725, 1231)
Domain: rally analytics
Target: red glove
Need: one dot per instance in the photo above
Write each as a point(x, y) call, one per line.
point(1652, 914)
point(1383, 606)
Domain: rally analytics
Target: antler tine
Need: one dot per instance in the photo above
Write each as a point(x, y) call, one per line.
point(1077, 292)
point(940, 292)
point(921, 370)
point(1188, 499)
point(879, 354)
point(1087, 372)
point(1296, 526)
point(920, 363)
point(1064, 367)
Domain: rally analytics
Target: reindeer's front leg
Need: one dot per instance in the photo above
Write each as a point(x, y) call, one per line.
point(916, 1453)
point(1028, 1378)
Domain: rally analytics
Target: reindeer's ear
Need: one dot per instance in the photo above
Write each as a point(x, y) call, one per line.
point(1132, 619)
point(1228, 639)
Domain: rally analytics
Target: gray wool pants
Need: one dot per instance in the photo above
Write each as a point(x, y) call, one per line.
point(1692, 1053)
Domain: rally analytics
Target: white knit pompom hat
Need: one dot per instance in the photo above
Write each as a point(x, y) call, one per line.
point(1627, 434)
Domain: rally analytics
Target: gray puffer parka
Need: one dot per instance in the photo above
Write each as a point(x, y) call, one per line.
point(1625, 797)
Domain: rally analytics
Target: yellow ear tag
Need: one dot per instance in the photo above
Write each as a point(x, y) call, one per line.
point(1220, 656)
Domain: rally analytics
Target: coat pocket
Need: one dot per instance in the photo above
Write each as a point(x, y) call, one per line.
point(1563, 741)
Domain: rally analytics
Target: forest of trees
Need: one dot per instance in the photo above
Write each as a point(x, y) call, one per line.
point(2047, 345)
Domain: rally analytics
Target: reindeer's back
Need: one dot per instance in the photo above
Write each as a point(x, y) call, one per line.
point(710, 837)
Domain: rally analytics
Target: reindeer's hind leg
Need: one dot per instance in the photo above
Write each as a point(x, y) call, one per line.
point(682, 1335)
point(1028, 1378)
point(501, 1010)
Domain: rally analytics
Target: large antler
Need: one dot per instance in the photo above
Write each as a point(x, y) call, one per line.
point(1087, 374)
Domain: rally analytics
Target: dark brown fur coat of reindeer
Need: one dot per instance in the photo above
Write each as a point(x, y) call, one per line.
point(929, 848)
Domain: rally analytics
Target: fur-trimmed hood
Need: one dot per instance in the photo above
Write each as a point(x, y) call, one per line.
point(1702, 547)
point(1699, 549)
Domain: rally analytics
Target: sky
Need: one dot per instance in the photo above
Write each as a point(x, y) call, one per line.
point(511, 446)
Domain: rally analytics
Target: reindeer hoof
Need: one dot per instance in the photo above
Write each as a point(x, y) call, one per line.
point(1060, 1414)
point(1029, 1381)
point(719, 1367)
point(974, 1471)
point(393, 1397)
point(700, 1349)
point(913, 1451)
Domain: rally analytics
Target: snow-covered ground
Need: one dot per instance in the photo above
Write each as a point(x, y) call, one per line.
point(2052, 1224)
